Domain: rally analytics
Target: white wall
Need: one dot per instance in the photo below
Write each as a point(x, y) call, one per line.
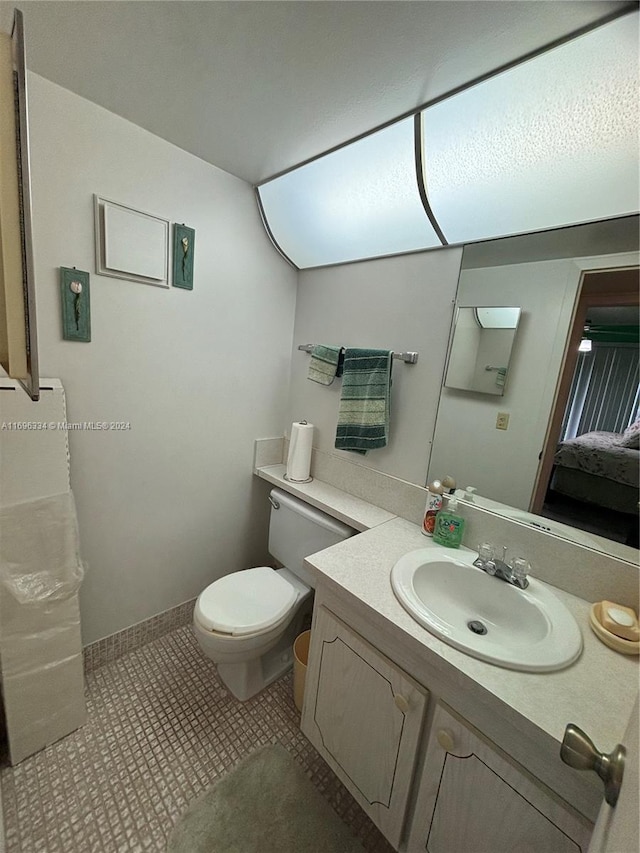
point(494, 351)
point(464, 352)
point(402, 303)
point(170, 505)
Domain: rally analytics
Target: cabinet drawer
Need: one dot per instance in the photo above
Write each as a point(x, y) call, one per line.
point(364, 716)
point(472, 799)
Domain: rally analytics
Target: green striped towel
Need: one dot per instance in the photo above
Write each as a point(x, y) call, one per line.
point(363, 417)
point(326, 364)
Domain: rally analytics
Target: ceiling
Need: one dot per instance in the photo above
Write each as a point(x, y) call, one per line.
point(258, 87)
point(617, 315)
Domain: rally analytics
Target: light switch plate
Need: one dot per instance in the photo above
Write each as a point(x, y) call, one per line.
point(502, 421)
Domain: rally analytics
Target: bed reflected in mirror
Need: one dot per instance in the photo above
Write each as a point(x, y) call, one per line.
point(593, 481)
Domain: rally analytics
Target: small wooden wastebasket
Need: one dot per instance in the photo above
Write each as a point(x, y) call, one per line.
point(300, 661)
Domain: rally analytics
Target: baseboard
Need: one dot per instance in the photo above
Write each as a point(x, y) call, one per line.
point(115, 646)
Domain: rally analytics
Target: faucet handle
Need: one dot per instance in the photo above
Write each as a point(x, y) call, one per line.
point(520, 568)
point(486, 551)
point(486, 558)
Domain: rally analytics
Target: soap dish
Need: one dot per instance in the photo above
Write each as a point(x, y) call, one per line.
point(618, 644)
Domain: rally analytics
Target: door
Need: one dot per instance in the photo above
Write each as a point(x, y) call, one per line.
point(616, 829)
point(598, 288)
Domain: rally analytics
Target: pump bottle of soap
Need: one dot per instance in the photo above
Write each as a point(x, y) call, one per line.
point(449, 525)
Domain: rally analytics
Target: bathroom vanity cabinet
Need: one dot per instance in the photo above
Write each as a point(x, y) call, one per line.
point(425, 777)
point(471, 796)
point(437, 746)
point(365, 717)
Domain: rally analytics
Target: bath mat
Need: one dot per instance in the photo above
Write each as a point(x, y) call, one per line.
point(264, 805)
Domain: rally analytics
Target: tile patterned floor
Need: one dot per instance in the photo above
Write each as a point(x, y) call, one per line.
point(161, 729)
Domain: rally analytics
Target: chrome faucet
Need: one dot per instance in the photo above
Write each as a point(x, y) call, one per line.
point(514, 572)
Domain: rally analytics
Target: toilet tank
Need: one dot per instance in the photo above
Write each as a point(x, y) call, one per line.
point(297, 530)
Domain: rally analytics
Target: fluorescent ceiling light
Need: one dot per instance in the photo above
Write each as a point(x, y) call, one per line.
point(361, 201)
point(585, 345)
point(550, 142)
point(497, 318)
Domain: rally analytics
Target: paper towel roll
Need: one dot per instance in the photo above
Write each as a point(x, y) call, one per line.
point(299, 459)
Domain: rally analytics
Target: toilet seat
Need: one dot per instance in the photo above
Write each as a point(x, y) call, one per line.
point(245, 602)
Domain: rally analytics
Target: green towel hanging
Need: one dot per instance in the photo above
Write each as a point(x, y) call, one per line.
point(363, 417)
point(326, 364)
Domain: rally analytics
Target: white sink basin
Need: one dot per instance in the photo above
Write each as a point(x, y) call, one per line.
point(527, 629)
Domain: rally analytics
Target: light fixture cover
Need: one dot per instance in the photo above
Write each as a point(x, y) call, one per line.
point(361, 201)
point(550, 142)
point(585, 345)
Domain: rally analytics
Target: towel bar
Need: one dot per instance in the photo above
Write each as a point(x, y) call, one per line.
point(408, 357)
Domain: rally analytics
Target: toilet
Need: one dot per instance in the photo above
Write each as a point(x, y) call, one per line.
point(246, 621)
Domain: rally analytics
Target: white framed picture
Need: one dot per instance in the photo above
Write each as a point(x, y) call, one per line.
point(131, 244)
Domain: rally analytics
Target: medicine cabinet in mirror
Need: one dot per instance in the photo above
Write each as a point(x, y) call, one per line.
point(481, 347)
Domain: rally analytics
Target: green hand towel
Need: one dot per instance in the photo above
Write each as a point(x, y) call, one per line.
point(326, 364)
point(363, 417)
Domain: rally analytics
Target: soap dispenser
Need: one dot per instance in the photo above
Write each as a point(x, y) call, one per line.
point(449, 525)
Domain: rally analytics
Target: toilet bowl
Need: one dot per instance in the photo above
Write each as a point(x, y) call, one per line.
point(256, 651)
point(246, 621)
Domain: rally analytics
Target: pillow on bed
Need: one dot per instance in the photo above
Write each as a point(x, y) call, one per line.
point(631, 436)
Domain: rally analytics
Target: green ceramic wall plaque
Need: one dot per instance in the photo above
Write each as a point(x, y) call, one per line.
point(76, 307)
point(184, 242)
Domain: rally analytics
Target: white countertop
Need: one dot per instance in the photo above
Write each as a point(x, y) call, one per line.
point(341, 505)
point(597, 692)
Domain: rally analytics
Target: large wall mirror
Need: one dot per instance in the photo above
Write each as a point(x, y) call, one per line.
point(573, 377)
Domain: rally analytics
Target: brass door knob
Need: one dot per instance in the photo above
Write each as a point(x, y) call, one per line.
point(578, 751)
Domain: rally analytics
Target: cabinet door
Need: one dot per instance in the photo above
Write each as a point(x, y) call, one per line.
point(364, 716)
point(473, 799)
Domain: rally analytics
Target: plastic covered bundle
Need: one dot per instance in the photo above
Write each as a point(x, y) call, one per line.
point(40, 551)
